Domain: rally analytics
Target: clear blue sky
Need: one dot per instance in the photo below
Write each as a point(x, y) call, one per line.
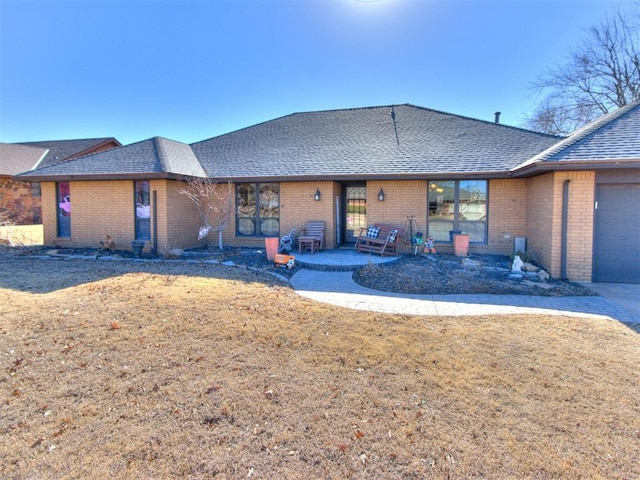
point(193, 69)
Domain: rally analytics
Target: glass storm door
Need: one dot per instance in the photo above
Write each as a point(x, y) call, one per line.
point(356, 211)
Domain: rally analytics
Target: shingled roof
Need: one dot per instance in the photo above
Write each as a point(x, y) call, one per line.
point(399, 141)
point(61, 150)
point(19, 158)
point(376, 142)
point(154, 158)
point(611, 141)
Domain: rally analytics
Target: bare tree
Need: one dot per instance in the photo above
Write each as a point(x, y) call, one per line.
point(601, 75)
point(214, 202)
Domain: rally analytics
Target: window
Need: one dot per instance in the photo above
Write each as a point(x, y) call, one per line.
point(258, 209)
point(63, 200)
point(142, 210)
point(458, 206)
point(36, 206)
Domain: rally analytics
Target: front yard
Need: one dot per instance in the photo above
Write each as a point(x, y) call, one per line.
point(180, 370)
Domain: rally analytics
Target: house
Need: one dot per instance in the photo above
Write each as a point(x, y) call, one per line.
point(407, 166)
point(20, 201)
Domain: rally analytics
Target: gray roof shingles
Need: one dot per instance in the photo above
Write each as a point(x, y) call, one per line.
point(615, 136)
point(363, 142)
point(332, 144)
point(61, 150)
point(152, 157)
point(19, 158)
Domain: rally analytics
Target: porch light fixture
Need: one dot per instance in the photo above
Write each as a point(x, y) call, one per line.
point(381, 195)
point(316, 196)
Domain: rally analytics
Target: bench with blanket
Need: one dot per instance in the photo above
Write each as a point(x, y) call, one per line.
point(381, 239)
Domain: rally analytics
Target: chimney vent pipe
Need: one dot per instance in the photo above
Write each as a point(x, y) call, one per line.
point(497, 114)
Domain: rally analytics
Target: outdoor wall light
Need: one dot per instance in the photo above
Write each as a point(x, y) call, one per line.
point(316, 196)
point(381, 195)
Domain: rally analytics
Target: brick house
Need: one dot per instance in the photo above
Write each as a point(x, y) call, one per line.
point(20, 201)
point(354, 167)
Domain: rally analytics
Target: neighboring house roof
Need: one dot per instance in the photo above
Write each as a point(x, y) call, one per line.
point(611, 141)
point(154, 158)
point(367, 142)
point(399, 141)
point(19, 158)
point(61, 150)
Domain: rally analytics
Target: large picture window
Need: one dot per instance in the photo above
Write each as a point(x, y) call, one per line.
point(258, 209)
point(63, 200)
point(142, 210)
point(458, 206)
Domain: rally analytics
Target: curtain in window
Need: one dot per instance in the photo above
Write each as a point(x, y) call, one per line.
point(142, 210)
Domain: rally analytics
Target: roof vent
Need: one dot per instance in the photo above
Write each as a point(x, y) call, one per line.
point(497, 119)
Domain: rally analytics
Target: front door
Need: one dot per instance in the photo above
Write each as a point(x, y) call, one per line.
point(355, 210)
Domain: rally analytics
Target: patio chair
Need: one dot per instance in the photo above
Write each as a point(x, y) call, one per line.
point(312, 236)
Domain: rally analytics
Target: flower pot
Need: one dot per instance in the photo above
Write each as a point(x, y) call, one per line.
point(460, 244)
point(271, 244)
point(136, 247)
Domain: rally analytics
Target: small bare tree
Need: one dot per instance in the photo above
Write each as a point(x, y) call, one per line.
point(214, 202)
point(601, 75)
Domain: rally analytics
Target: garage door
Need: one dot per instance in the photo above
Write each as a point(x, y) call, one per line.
point(616, 256)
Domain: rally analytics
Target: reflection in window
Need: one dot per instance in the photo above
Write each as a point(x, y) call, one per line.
point(258, 209)
point(458, 206)
point(63, 198)
point(143, 210)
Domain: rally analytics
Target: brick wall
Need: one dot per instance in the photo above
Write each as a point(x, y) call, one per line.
point(106, 208)
point(402, 199)
point(580, 222)
point(507, 216)
point(178, 218)
point(517, 207)
point(98, 209)
point(541, 225)
point(544, 222)
point(17, 204)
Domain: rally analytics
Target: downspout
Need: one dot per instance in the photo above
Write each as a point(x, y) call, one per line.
point(565, 221)
point(155, 222)
point(338, 223)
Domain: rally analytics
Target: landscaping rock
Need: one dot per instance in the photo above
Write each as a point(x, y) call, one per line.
point(470, 264)
point(543, 276)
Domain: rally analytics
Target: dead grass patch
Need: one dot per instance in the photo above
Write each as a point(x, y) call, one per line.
point(129, 370)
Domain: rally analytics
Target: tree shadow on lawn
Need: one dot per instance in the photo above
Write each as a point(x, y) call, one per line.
point(45, 274)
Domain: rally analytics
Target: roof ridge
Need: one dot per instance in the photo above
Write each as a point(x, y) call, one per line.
point(467, 117)
point(31, 143)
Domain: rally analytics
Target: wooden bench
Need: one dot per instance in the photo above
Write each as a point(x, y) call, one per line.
point(382, 239)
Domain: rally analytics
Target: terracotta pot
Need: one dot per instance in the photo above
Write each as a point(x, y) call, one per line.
point(460, 244)
point(271, 244)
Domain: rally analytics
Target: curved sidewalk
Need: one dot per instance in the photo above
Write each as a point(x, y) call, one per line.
point(338, 288)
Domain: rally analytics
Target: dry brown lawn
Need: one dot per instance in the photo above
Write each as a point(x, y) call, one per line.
point(130, 370)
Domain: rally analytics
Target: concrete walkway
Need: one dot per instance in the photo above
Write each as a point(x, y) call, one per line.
point(338, 288)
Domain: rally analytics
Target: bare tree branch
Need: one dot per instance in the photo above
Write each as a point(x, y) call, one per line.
point(214, 203)
point(602, 74)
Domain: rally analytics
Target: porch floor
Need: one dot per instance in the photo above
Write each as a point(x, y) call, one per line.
point(339, 259)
